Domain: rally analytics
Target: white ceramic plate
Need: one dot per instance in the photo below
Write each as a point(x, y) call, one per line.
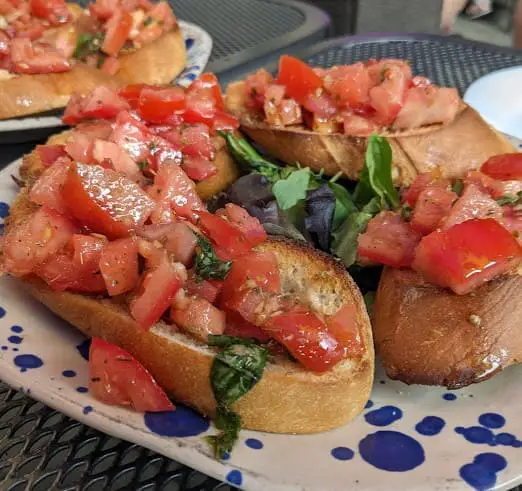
point(409, 438)
point(497, 98)
point(198, 44)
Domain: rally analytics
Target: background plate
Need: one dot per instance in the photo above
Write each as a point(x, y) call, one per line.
point(199, 46)
point(408, 438)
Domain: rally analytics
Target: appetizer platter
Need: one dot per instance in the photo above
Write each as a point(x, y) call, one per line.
point(247, 282)
point(106, 44)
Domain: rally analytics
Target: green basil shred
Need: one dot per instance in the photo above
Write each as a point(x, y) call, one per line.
point(88, 44)
point(208, 265)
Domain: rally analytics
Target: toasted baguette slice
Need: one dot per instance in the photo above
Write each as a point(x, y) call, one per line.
point(464, 144)
point(156, 63)
point(288, 399)
point(431, 336)
point(227, 170)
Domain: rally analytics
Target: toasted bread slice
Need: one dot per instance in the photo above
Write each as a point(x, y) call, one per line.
point(431, 336)
point(454, 148)
point(227, 170)
point(288, 399)
point(156, 63)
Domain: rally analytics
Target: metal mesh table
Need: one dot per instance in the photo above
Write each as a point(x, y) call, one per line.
point(42, 449)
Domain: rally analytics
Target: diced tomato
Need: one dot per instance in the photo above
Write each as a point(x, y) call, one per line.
point(148, 34)
point(323, 105)
point(504, 167)
point(87, 251)
point(47, 190)
point(181, 241)
point(119, 265)
point(209, 290)
point(131, 93)
point(80, 147)
point(289, 113)
point(512, 220)
point(343, 326)
point(225, 235)
point(472, 204)
point(207, 86)
point(275, 93)
point(224, 122)
point(419, 81)
point(388, 97)
point(73, 111)
point(198, 168)
point(163, 15)
point(348, 85)
point(307, 338)
point(103, 103)
point(6, 7)
point(199, 109)
point(237, 326)
point(118, 29)
point(434, 203)
point(388, 240)
point(195, 140)
point(103, 9)
point(422, 181)
point(255, 88)
point(65, 41)
point(119, 159)
point(257, 269)
point(117, 378)
point(173, 187)
point(355, 125)
point(199, 318)
point(491, 186)
point(105, 201)
point(299, 79)
point(159, 287)
point(133, 136)
point(156, 104)
point(49, 154)
point(55, 11)
point(27, 60)
point(248, 225)
point(467, 255)
point(5, 40)
point(111, 65)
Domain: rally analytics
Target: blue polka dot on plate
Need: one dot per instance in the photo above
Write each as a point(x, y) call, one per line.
point(369, 404)
point(189, 42)
point(254, 443)
point(492, 420)
point(430, 426)
point(449, 396)
point(2, 312)
point(235, 477)
point(4, 209)
point(481, 474)
point(69, 373)
point(16, 329)
point(342, 453)
point(82, 390)
point(383, 416)
point(87, 409)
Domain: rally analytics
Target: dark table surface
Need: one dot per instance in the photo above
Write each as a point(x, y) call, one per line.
point(42, 449)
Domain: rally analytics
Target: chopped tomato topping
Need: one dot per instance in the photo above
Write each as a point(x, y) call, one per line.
point(504, 167)
point(209, 290)
point(181, 241)
point(423, 181)
point(103, 9)
point(343, 326)
point(118, 30)
point(133, 136)
point(199, 318)
point(298, 78)
point(224, 122)
point(207, 86)
point(255, 87)
point(109, 152)
point(131, 93)
point(156, 105)
point(28, 59)
point(238, 326)
point(101, 103)
point(388, 97)
point(158, 289)
point(349, 85)
point(49, 154)
point(119, 265)
point(80, 147)
point(355, 125)
point(117, 378)
point(105, 201)
point(485, 183)
point(433, 204)
point(111, 65)
point(307, 338)
point(323, 105)
point(467, 255)
point(388, 240)
point(248, 225)
point(195, 140)
point(55, 11)
point(198, 168)
point(47, 190)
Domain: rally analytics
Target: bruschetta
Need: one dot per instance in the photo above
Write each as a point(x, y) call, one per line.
point(131, 256)
point(50, 49)
point(321, 119)
point(447, 307)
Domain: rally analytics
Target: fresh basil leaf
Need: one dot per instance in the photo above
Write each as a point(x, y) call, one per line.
point(376, 176)
point(406, 213)
point(458, 187)
point(369, 300)
point(290, 191)
point(224, 341)
point(229, 424)
point(88, 44)
point(236, 370)
point(344, 204)
point(510, 199)
point(320, 209)
point(249, 158)
point(208, 265)
point(345, 239)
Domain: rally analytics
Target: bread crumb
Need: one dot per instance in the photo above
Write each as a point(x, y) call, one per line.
point(474, 320)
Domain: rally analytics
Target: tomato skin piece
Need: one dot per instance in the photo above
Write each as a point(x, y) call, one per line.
point(199, 318)
point(111, 65)
point(209, 290)
point(307, 338)
point(47, 189)
point(118, 29)
point(248, 225)
point(55, 11)
point(208, 86)
point(116, 377)
point(432, 206)
point(155, 105)
point(343, 326)
point(105, 201)
point(181, 241)
point(467, 255)
point(131, 93)
point(102, 103)
point(504, 167)
point(159, 287)
point(298, 78)
point(237, 326)
point(49, 154)
point(422, 181)
point(119, 266)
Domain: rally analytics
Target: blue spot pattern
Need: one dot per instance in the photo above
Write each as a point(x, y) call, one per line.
point(87, 409)
point(27, 362)
point(235, 477)
point(69, 373)
point(189, 42)
point(492, 420)
point(484, 435)
point(84, 348)
point(254, 443)
point(481, 474)
point(449, 397)
point(16, 329)
point(384, 416)
point(15, 339)
point(82, 390)
point(430, 426)
point(4, 209)
point(391, 451)
point(5, 348)
point(342, 453)
point(182, 422)
point(2, 313)
point(369, 404)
